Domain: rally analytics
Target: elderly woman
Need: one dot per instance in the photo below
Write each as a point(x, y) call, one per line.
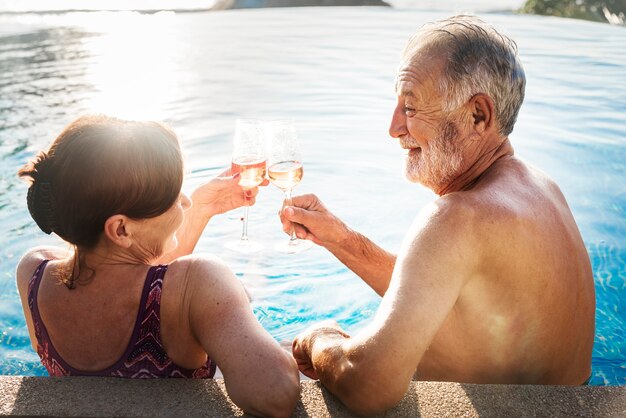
point(129, 300)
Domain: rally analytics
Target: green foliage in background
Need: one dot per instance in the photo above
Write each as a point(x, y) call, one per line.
point(578, 9)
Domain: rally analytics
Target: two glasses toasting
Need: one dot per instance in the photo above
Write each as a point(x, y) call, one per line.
point(267, 148)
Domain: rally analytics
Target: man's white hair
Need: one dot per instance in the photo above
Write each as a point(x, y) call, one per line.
point(478, 60)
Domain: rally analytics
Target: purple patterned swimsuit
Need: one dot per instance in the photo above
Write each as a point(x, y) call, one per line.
point(144, 357)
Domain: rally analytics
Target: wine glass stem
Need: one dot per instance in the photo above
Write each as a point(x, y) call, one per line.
point(292, 237)
point(244, 233)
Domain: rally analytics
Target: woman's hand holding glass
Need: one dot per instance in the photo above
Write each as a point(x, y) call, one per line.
point(224, 193)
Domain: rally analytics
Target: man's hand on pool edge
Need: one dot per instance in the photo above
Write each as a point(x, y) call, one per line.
point(303, 345)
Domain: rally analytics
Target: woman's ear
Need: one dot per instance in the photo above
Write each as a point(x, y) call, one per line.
point(116, 230)
point(482, 110)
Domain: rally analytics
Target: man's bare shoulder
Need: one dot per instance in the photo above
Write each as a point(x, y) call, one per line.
point(449, 224)
point(514, 180)
point(448, 214)
point(467, 223)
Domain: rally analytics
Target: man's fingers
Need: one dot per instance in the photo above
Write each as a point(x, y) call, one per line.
point(308, 371)
point(300, 232)
point(297, 215)
point(306, 201)
point(302, 359)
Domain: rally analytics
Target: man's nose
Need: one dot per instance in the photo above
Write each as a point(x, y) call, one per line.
point(397, 128)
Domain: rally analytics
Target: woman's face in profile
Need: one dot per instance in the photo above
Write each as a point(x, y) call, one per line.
point(158, 235)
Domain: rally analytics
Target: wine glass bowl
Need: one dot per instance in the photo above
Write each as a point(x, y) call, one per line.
point(252, 169)
point(285, 171)
point(249, 160)
point(286, 174)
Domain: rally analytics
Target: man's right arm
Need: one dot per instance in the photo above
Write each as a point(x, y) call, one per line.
point(371, 370)
point(314, 222)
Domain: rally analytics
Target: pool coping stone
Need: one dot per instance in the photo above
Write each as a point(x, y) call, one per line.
point(115, 397)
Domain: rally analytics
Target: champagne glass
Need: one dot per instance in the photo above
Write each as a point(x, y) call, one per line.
point(248, 159)
point(285, 171)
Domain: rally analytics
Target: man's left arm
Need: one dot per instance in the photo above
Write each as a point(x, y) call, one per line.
point(371, 371)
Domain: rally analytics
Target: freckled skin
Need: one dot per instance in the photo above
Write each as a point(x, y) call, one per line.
point(492, 283)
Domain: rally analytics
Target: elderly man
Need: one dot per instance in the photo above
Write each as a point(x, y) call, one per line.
point(492, 283)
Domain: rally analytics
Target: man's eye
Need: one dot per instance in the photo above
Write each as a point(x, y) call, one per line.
point(408, 110)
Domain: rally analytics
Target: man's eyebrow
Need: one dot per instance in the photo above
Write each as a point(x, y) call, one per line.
point(402, 89)
point(405, 93)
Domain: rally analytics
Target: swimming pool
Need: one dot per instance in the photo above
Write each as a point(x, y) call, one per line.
point(332, 70)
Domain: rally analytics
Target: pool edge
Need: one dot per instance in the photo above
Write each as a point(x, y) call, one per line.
point(108, 397)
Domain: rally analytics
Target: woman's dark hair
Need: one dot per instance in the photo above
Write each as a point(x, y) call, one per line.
point(100, 166)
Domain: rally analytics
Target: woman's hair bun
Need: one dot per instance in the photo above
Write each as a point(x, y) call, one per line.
point(39, 198)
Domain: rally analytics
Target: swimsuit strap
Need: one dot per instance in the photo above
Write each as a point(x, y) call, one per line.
point(147, 333)
point(49, 357)
point(148, 357)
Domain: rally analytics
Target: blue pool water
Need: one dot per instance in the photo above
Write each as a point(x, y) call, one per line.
point(332, 70)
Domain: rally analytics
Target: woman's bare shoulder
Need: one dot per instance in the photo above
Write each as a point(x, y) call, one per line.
point(204, 270)
point(34, 257)
point(209, 289)
point(208, 263)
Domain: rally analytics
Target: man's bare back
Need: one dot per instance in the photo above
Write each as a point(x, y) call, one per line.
point(534, 280)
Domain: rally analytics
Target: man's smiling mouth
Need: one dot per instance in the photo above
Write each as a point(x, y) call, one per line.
point(412, 150)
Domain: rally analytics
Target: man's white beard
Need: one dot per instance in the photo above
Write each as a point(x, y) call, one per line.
point(438, 166)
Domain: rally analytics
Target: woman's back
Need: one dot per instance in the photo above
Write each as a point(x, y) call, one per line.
point(204, 310)
point(94, 332)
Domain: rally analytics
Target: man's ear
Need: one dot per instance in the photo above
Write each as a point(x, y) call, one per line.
point(482, 110)
point(116, 230)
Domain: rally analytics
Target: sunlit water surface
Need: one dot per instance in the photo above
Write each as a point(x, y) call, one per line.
point(332, 70)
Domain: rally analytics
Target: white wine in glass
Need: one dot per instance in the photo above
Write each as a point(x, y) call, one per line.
point(249, 159)
point(285, 171)
point(286, 174)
